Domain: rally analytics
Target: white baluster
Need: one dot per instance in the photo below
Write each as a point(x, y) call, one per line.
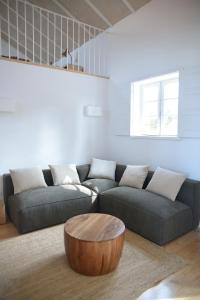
point(67, 42)
point(84, 48)
point(0, 39)
point(73, 45)
point(25, 30)
point(105, 55)
point(33, 28)
point(17, 24)
point(94, 41)
point(78, 46)
point(40, 36)
point(54, 37)
point(61, 42)
point(89, 50)
point(99, 53)
point(102, 56)
point(8, 8)
point(48, 38)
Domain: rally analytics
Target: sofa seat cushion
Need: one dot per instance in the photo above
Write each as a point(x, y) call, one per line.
point(43, 207)
point(100, 185)
point(154, 217)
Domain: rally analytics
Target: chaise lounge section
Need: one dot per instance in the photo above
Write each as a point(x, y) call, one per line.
point(148, 214)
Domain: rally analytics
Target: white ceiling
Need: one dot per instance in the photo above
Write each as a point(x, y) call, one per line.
point(98, 13)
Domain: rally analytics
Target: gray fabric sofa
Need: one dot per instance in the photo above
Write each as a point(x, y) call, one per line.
point(150, 215)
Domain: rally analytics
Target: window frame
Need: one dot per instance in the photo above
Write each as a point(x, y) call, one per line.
point(160, 80)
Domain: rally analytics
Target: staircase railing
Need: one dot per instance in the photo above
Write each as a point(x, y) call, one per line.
point(40, 36)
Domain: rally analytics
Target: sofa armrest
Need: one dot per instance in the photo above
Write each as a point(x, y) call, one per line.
point(189, 194)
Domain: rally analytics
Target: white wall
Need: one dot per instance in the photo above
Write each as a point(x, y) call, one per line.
point(161, 37)
point(49, 125)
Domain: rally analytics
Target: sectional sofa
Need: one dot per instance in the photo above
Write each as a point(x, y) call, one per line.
point(148, 214)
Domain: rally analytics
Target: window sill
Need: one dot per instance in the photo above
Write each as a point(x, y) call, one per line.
point(152, 137)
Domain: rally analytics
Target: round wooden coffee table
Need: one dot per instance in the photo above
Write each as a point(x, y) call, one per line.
point(93, 243)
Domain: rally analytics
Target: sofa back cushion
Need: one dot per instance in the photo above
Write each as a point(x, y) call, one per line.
point(119, 172)
point(83, 171)
point(102, 169)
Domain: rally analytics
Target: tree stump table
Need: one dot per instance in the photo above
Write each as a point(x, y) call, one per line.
point(93, 243)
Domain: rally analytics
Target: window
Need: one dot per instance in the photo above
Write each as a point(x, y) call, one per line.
point(154, 106)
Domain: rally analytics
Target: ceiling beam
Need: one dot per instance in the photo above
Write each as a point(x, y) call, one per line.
point(97, 11)
point(67, 12)
point(71, 15)
point(128, 5)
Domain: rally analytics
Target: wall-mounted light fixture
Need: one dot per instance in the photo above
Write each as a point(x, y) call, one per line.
point(93, 111)
point(7, 105)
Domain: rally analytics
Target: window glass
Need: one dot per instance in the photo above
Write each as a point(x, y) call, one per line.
point(155, 106)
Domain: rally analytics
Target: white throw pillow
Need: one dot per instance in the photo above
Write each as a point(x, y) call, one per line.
point(64, 174)
point(102, 169)
point(134, 176)
point(26, 179)
point(166, 183)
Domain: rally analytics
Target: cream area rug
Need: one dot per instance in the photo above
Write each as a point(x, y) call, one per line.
point(34, 267)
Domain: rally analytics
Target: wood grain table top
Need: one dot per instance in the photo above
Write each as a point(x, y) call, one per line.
point(94, 227)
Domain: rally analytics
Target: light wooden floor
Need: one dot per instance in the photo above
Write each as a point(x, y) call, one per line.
point(185, 284)
point(7, 231)
point(182, 285)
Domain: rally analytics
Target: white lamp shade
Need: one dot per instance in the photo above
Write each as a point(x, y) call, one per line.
point(93, 111)
point(7, 104)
